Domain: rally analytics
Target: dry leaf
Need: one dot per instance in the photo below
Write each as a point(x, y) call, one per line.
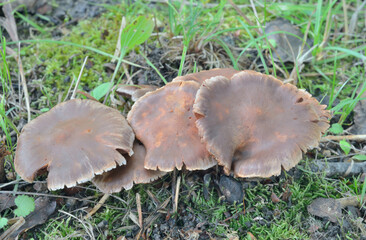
point(326, 208)
point(359, 126)
point(43, 209)
point(287, 46)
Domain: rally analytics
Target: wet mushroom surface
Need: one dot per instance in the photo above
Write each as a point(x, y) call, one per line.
point(164, 122)
point(254, 124)
point(75, 140)
point(126, 175)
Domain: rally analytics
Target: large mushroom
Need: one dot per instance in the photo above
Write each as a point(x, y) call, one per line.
point(75, 140)
point(125, 176)
point(164, 122)
point(203, 75)
point(253, 123)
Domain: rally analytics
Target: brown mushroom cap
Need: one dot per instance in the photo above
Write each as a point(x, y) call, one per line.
point(75, 140)
point(124, 176)
point(203, 75)
point(164, 122)
point(254, 124)
point(134, 91)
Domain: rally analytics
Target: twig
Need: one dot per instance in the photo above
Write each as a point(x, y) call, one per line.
point(129, 79)
point(24, 84)
point(176, 195)
point(174, 180)
point(155, 200)
point(87, 95)
point(97, 206)
point(344, 4)
point(78, 81)
point(68, 92)
point(359, 138)
point(117, 52)
point(45, 195)
point(337, 169)
point(255, 13)
point(138, 203)
point(13, 228)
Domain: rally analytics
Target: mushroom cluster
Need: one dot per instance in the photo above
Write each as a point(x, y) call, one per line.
point(250, 123)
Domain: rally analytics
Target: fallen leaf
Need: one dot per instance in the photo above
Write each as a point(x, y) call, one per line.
point(43, 209)
point(6, 201)
point(326, 208)
point(359, 119)
point(286, 46)
point(274, 198)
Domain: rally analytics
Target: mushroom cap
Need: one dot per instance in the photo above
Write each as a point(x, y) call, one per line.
point(124, 176)
point(164, 122)
point(75, 140)
point(135, 91)
point(253, 124)
point(203, 75)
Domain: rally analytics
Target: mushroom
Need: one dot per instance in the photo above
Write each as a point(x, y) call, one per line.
point(75, 140)
point(124, 176)
point(164, 122)
point(203, 75)
point(134, 91)
point(253, 124)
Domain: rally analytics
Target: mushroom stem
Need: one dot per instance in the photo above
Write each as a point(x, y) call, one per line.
point(361, 137)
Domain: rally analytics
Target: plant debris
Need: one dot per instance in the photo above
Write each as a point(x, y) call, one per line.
point(287, 47)
point(44, 207)
point(359, 125)
point(326, 208)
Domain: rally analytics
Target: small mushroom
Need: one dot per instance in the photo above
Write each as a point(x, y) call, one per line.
point(253, 124)
point(75, 140)
point(203, 75)
point(124, 176)
point(134, 91)
point(164, 122)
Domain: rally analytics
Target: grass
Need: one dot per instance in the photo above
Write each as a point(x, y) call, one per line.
point(194, 36)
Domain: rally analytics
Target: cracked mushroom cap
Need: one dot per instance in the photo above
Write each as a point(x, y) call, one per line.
point(125, 176)
point(253, 124)
point(75, 140)
point(134, 91)
point(164, 122)
point(203, 75)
